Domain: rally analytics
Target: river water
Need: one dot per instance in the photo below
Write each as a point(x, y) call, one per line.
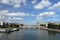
point(30, 34)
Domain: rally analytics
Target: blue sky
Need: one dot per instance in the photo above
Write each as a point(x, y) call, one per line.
point(29, 11)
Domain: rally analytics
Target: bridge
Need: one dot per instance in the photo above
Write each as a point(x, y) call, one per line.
point(31, 27)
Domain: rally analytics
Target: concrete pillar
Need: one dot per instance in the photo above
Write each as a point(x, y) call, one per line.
point(39, 26)
point(46, 25)
point(1, 23)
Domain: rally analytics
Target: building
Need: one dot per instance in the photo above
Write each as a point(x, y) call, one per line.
point(1, 23)
point(45, 24)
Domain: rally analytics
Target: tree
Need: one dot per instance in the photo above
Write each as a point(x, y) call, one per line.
point(21, 24)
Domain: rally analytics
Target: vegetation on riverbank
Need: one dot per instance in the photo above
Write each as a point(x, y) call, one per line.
point(54, 26)
point(10, 25)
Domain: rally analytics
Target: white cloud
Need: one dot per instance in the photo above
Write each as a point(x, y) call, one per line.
point(39, 18)
point(47, 14)
point(2, 17)
point(17, 14)
point(4, 1)
point(53, 19)
point(14, 14)
point(42, 4)
point(16, 18)
point(34, 1)
point(15, 3)
point(43, 15)
point(9, 17)
point(6, 13)
point(55, 6)
point(32, 15)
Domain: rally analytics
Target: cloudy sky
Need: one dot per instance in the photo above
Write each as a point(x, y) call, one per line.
point(29, 11)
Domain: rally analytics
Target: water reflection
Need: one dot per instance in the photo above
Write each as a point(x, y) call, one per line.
point(30, 34)
point(51, 35)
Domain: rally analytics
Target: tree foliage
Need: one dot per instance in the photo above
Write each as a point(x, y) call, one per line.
point(54, 26)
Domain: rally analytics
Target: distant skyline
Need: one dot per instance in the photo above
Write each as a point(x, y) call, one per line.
point(29, 11)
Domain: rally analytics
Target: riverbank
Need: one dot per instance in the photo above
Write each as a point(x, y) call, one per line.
point(44, 28)
point(3, 30)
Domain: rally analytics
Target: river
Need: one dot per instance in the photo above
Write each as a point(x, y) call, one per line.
point(30, 34)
